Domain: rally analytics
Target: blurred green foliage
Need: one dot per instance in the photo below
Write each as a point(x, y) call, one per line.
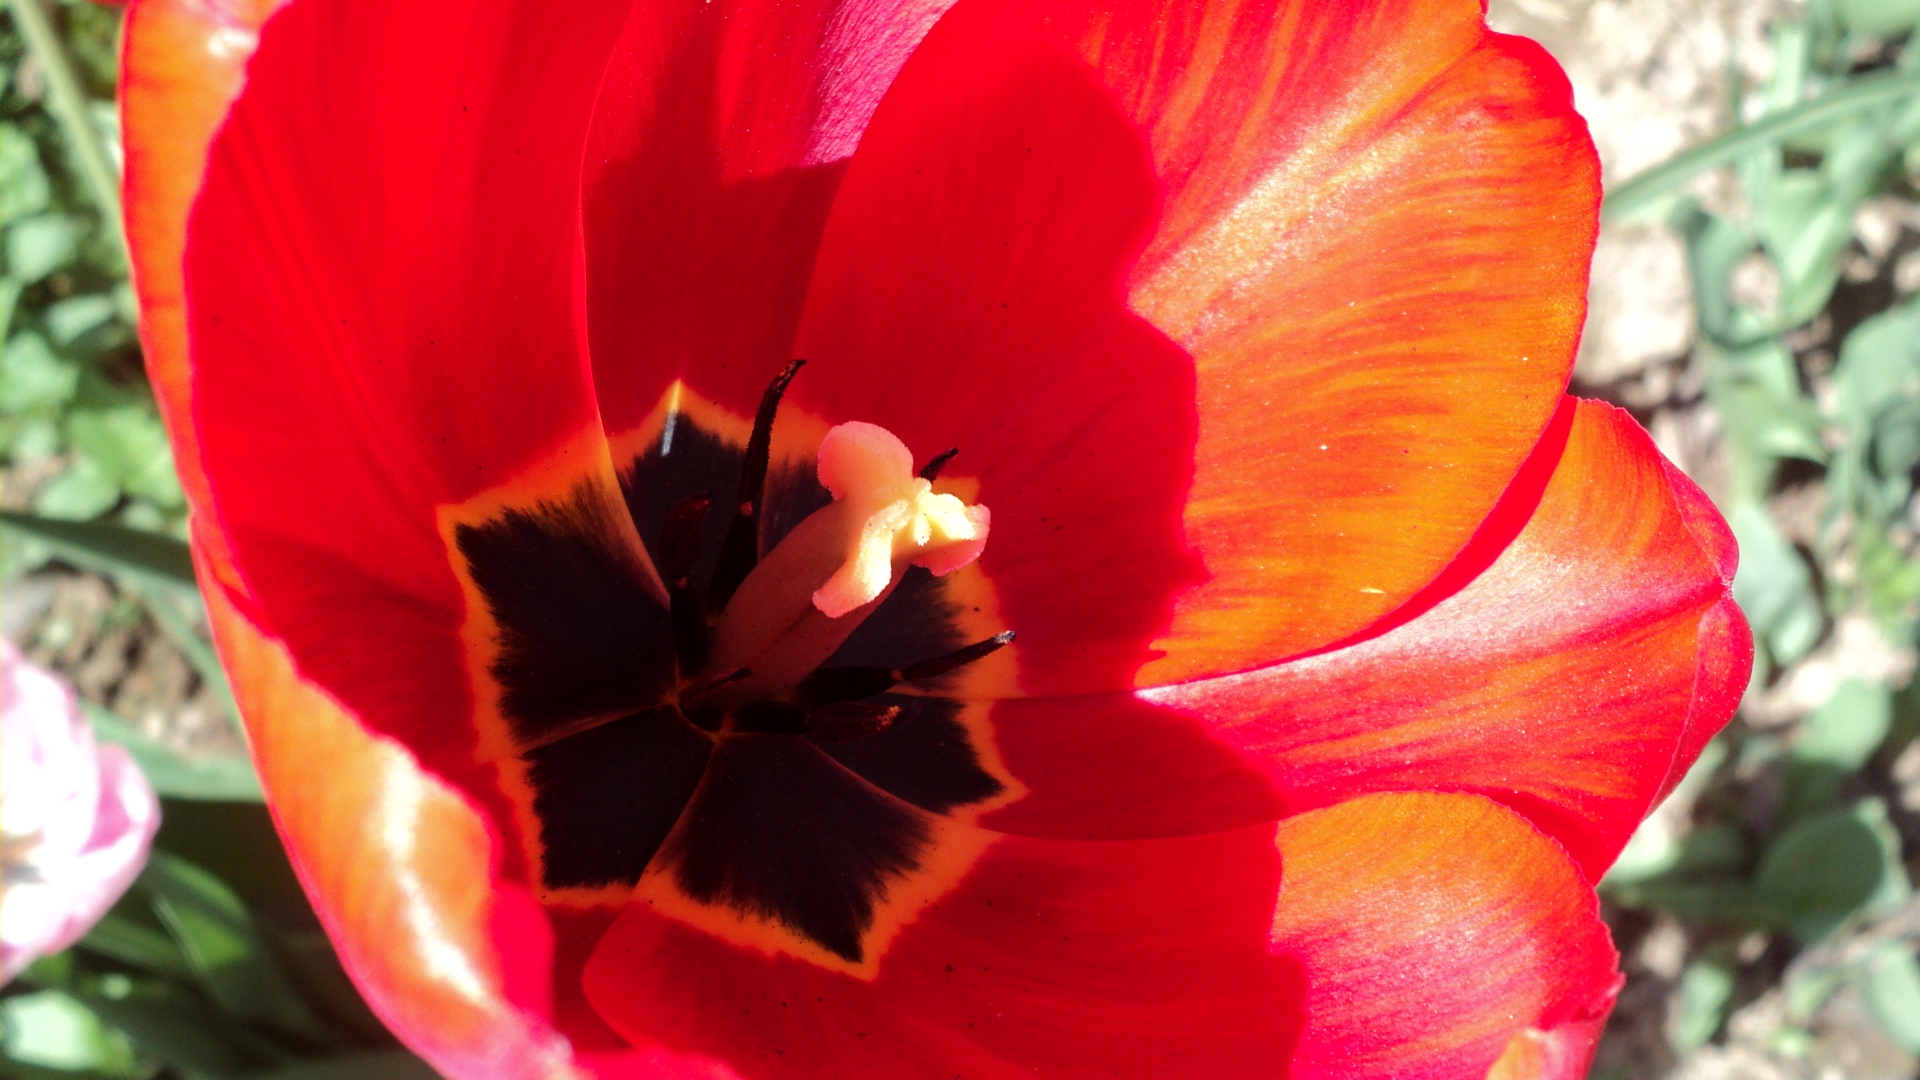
point(74, 406)
point(212, 969)
point(1792, 834)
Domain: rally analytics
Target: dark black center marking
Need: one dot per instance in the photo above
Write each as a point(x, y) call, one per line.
point(771, 811)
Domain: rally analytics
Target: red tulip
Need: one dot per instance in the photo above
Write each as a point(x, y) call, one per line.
point(1251, 324)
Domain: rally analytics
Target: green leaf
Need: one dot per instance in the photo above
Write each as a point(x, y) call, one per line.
point(1879, 367)
point(37, 246)
point(1830, 866)
point(55, 1031)
point(136, 945)
point(1889, 980)
point(1896, 438)
point(1834, 742)
point(1715, 246)
point(130, 443)
point(225, 947)
point(19, 1070)
point(10, 290)
point(229, 779)
point(1706, 986)
point(391, 1065)
point(23, 182)
point(83, 492)
point(1774, 587)
point(32, 437)
point(1819, 871)
point(1846, 730)
point(1765, 426)
point(1880, 17)
point(66, 100)
point(1806, 990)
point(1804, 227)
point(237, 841)
point(308, 958)
point(153, 559)
point(1866, 92)
point(32, 376)
point(1787, 86)
point(1889, 577)
point(72, 317)
point(183, 1032)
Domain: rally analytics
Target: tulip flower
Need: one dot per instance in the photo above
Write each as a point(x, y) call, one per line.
point(1173, 623)
point(77, 819)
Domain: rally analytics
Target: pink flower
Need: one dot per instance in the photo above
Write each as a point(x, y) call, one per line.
point(76, 819)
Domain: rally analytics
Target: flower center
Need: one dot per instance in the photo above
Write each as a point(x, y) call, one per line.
point(782, 615)
point(774, 757)
point(822, 579)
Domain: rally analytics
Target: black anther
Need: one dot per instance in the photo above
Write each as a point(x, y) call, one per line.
point(827, 686)
point(931, 471)
point(740, 551)
point(940, 665)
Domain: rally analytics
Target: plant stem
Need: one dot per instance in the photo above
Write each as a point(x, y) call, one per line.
point(68, 104)
point(1863, 94)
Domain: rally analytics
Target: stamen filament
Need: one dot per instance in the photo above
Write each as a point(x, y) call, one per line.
point(829, 685)
point(679, 551)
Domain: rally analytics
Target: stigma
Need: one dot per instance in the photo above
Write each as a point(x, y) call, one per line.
point(901, 519)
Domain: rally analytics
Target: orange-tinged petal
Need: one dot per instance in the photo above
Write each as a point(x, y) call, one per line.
point(1434, 930)
point(1374, 244)
point(405, 874)
point(1591, 657)
point(1560, 1054)
point(181, 63)
point(401, 869)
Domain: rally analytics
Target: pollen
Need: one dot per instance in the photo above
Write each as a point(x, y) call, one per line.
point(870, 472)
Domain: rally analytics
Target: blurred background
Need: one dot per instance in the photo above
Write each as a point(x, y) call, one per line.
point(1754, 304)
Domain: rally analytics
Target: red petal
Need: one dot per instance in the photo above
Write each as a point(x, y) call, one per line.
point(1055, 959)
point(718, 142)
point(1368, 382)
point(384, 302)
point(1114, 767)
point(1726, 641)
point(1392, 354)
point(1559, 681)
point(401, 870)
point(405, 874)
point(968, 294)
point(1433, 930)
point(181, 63)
